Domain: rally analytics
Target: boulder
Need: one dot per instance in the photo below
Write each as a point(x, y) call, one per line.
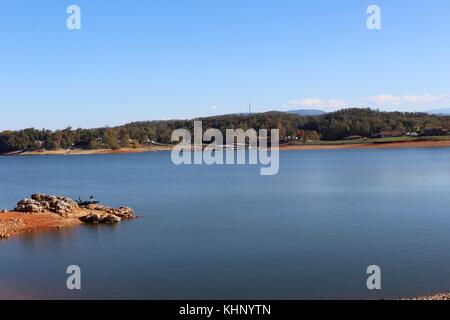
point(111, 219)
point(4, 211)
point(97, 218)
point(29, 206)
point(122, 212)
point(39, 197)
point(41, 203)
point(56, 204)
point(125, 213)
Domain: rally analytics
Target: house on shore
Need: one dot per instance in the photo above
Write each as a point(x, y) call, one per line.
point(39, 144)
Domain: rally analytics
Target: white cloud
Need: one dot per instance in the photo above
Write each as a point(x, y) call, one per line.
point(425, 99)
point(409, 102)
point(337, 104)
point(386, 102)
point(385, 99)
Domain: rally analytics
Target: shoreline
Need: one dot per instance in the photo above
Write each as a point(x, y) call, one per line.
point(284, 147)
point(371, 145)
point(432, 297)
point(75, 152)
point(13, 223)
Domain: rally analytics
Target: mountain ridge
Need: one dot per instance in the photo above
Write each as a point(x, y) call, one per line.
point(307, 112)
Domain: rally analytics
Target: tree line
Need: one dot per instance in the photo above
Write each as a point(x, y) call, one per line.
point(328, 127)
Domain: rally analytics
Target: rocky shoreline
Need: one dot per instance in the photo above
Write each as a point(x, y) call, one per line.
point(434, 297)
point(43, 211)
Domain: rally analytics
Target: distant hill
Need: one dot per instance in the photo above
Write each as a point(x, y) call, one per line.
point(445, 111)
point(332, 126)
point(305, 112)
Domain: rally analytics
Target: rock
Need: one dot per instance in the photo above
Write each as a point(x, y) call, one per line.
point(125, 213)
point(4, 211)
point(39, 197)
point(111, 219)
point(29, 206)
point(97, 218)
point(56, 204)
point(41, 203)
point(4, 236)
point(122, 212)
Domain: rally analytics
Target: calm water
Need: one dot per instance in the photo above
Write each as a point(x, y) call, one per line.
point(227, 232)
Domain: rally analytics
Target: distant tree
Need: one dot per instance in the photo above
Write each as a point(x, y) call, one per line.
point(110, 138)
point(124, 136)
point(312, 135)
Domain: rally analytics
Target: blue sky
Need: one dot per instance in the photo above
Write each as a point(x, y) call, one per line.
point(162, 59)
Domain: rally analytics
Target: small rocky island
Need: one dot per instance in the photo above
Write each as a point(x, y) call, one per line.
point(47, 211)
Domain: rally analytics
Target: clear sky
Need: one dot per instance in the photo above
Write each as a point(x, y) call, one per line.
point(160, 59)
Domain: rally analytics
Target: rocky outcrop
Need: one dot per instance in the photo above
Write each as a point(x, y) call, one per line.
point(47, 211)
point(29, 206)
point(67, 208)
point(99, 218)
point(122, 212)
point(56, 204)
point(42, 203)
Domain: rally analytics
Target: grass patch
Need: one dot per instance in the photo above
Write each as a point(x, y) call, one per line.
point(370, 141)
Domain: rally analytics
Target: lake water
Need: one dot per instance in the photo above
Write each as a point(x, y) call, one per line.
point(225, 232)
